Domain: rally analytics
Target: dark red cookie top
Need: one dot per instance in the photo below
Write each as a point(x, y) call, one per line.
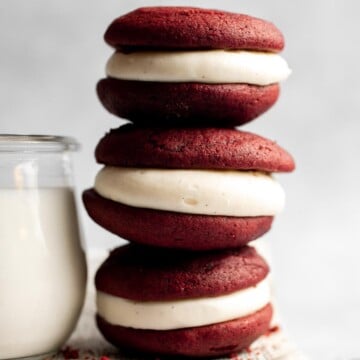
point(152, 274)
point(191, 148)
point(191, 28)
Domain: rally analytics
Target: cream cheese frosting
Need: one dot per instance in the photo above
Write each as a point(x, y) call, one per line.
point(178, 314)
point(207, 192)
point(206, 66)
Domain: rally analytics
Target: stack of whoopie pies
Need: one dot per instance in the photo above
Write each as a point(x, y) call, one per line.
point(187, 189)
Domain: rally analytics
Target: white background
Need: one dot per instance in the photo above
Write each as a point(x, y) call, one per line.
point(52, 54)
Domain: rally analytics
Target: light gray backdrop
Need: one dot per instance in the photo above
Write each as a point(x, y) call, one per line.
point(52, 54)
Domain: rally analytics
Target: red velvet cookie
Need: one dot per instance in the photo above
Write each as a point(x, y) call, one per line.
point(174, 230)
point(166, 274)
point(191, 148)
point(205, 341)
point(174, 104)
point(191, 28)
point(173, 275)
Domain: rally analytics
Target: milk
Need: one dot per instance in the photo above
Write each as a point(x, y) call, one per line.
point(42, 270)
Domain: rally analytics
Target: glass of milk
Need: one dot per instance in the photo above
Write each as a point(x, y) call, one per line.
point(42, 262)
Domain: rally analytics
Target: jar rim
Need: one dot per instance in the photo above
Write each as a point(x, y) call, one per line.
point(37, 143)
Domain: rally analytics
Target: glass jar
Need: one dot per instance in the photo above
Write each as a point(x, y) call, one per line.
point(42, 262)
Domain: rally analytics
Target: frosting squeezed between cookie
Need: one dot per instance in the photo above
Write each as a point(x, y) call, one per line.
point(178, 314)
point(207, 192)
point(207, 66)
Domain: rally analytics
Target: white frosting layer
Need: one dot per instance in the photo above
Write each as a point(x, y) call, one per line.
point(211, 66)
point(167, 315)
point(208, 192)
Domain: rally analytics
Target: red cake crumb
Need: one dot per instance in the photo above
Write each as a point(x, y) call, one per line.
point(272, 330)
point(70, 353)
point(234, 356)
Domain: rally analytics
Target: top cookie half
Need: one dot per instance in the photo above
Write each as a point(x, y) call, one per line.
point(154, 28)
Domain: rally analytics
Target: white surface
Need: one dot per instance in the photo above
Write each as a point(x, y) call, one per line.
point(212, 66)
point(42, 270)
point(167, 315)
point(52, 54)
point(209, 192)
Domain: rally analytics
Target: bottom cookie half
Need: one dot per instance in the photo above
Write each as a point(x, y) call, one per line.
point(174, 230)
point(204, 341)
